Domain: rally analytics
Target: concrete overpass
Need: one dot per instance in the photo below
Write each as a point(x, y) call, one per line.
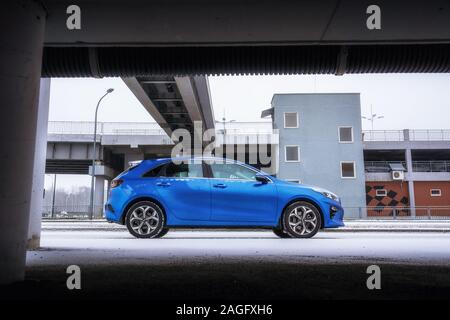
point(184, 39)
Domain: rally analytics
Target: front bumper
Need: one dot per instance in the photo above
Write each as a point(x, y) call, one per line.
point(333, 215)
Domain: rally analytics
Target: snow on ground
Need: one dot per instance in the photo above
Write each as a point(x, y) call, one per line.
point(118, 246)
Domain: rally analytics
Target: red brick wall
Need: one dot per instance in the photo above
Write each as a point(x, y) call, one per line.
point(397, 196)
point(423, 197)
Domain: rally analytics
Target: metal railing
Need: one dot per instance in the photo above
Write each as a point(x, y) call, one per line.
point(417, 166)
point(112, 128)
point(386, 212)
point(431, 166)
point(148, 128)
point(79, 211)
point(399, 212)
point(429, 135)
point(383, 135)
point(407, 135)
point(381, 166)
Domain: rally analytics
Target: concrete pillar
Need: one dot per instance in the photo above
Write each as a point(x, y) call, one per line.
point(99, 196)
point(21, 42)
point(37, 188)
point(409, 165)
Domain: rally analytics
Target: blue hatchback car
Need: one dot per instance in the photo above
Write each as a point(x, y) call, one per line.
point(155, 195)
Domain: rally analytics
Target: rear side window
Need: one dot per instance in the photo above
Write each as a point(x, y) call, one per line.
point(154, 172)
point(172, 170)
point(184, 170)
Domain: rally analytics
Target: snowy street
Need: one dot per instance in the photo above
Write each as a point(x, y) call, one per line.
point(111, 247)
point(223, 265)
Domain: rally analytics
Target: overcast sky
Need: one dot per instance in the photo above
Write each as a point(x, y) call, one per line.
point(405, 100)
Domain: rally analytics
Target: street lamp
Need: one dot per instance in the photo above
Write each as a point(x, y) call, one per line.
point(91, 209)
point(224, 122)
point(373, 117)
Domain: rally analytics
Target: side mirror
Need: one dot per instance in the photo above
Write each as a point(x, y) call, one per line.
point(262, 178)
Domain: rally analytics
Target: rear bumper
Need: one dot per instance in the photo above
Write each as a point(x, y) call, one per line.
point(111, 214)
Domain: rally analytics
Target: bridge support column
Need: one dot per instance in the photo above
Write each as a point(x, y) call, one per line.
point(37, 191)
point(23, 24)
point(99, 196)
point(409, 168)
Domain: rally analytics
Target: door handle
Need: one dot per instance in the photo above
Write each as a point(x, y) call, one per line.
point(219, 185)
point(163, 184)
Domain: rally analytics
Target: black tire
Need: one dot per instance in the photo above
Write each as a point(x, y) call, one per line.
point(280, 233)
point(162, 233)
point(146, 220)
point(305, 224)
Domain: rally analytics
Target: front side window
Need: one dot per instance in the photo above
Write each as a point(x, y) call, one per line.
point(232, 171)
point(183, 170)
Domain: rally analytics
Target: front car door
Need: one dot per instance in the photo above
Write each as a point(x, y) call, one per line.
point(238, 199)
point(185, 191)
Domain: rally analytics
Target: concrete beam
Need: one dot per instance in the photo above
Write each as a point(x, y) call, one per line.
point(200, 23)
point(135, 87)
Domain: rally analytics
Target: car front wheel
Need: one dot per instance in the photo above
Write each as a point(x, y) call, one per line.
point(145, 219)
point(301, 219)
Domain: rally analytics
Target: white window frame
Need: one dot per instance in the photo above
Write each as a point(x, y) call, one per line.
point(378, 195)
point(354, 169)
point(435, 195)
point(284, 119)
point(339, 134)
point(285, 153)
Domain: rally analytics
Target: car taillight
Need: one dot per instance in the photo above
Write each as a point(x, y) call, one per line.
point(116, 183)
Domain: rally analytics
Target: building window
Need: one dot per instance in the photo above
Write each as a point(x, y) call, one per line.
point(435, 192)
point(290, 120)
point(381, 192)
point(345, 134)
point(348, 170)
point(291, 153)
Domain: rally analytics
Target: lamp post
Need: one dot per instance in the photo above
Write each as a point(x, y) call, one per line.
point(91, 209)
point(373, 117)
point(224, 122)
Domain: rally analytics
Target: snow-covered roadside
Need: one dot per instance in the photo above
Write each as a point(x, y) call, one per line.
point(350, 225)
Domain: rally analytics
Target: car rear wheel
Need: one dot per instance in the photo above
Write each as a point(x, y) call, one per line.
point(301, 219)
point(162, 233)
point(145, 219)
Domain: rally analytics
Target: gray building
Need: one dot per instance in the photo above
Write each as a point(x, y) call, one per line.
point(320, 143)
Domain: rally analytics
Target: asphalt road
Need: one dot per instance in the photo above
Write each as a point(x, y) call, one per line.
point(236, 265)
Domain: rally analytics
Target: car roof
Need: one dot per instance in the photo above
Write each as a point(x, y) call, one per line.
point(194, 158)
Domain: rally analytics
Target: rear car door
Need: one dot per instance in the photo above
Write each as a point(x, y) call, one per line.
point(238, 198)
point(185, 191)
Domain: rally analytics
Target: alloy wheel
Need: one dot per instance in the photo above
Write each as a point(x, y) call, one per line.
point(144, 219)
point(302, 220)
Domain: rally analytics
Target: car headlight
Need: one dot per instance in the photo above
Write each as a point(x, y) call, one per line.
point(328, 194)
